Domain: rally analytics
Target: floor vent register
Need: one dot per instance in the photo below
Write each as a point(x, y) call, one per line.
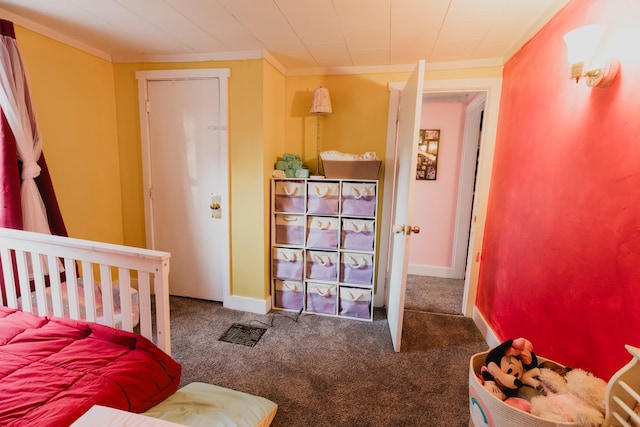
point(243, 335)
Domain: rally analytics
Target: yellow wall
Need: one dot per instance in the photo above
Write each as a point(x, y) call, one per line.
point(273, 107)
point(88, 110)
point(74, 99)
point(360, 105)
point(357, 124)
point(249, 205)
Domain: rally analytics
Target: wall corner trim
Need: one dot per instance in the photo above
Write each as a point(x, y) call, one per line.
point(251, 305)
point(489, 335)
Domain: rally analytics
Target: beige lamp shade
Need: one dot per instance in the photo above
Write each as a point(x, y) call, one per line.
point(582, 43)
point(320, 101)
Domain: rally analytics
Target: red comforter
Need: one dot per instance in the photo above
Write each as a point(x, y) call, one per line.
point(54, 370)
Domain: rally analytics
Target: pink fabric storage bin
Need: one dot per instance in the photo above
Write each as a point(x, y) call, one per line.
point(322, 266)
point(323, 198)
point(358, 234)
point(359, 198)
point(290, 229)
point(290, 196)
point(289, 294)
point(356, 268)
point(322, 298)
point(355, 302)
point(288, 263)
point(323, 232)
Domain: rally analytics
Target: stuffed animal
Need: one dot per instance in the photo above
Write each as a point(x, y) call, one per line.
point(571, 396)
point(510, 366)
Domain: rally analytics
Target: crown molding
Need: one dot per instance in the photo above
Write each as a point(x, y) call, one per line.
point(47, 32)
point(402, 68)
point(535, 27)
point(194, 57)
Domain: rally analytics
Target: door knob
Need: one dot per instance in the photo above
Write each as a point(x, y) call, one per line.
point(216, 206)
point(406, 229)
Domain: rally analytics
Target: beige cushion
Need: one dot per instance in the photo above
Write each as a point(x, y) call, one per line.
point(200, 404)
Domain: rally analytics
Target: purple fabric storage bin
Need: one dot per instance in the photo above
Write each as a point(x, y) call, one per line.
point(289, 204)
point(289, 294)
point(290, 229)
point(356, 268)
point(358, 199)
point(323, 198)
point(322, 298)
point(323, 232)
point(288, 263)
point(289, 196)
point(358, 234)
point(322, 266)
point(355, 303)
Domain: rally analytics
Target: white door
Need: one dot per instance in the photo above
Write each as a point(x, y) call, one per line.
point(186, 155)
point(406, 159)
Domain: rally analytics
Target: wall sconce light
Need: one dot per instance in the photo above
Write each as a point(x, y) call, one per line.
point(320, 104)
point(581, 47)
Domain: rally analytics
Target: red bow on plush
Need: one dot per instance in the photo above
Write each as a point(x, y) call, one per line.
point(521, 347)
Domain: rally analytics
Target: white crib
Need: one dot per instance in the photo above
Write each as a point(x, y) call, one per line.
point(623, 393)
point(111, 279)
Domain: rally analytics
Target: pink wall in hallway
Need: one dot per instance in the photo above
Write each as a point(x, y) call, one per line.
point(435, 201)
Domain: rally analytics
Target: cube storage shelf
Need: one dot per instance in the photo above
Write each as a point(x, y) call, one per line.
point(323, 246)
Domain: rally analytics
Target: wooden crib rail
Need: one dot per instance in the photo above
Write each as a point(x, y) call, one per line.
point(623, 393)
point(35, 261)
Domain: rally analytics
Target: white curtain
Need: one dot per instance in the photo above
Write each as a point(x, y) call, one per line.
point(15, 102)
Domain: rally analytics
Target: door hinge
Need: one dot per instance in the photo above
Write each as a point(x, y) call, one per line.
point(147, 105)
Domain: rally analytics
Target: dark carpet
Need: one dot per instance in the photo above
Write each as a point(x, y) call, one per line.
point(434, 294)
point(326, 371)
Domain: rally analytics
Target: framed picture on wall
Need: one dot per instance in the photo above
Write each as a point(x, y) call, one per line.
point(428, 144)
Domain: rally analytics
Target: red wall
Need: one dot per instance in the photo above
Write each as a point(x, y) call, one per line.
point(561, 255)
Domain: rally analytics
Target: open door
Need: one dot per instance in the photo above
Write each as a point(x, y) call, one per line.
point(410, 111)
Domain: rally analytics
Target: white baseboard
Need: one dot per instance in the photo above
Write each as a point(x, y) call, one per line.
point(433, 271)
point(251, 305)
point(486, 331)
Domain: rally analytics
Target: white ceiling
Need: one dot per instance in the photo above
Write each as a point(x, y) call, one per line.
point(299, 35)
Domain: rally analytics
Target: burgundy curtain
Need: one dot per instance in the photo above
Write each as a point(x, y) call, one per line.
point(10, 209)
point(11, 212)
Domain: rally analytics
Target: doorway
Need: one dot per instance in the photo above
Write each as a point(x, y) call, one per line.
point(492, 88)
point(437, 258)
point(183, 117)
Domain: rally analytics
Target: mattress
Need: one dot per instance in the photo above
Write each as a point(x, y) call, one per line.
point(117, 315)
point(102, 416)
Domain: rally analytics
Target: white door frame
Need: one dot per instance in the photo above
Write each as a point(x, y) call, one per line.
point(466, 184)
point(143, 77)
point(492, 87)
